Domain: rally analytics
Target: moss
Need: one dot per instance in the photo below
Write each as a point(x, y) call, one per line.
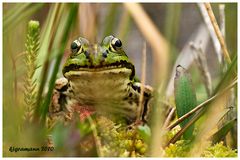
point(120, 140)
point(182, 147)
point(219, 150)
point(179, 149)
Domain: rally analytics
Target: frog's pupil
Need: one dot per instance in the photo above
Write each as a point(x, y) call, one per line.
point(118, 43)
point(74, 46)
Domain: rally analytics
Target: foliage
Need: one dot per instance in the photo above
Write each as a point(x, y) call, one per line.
point(32, 47)
point(120, 140)
point(182, 147)
point(179, 149)
point(219, 150)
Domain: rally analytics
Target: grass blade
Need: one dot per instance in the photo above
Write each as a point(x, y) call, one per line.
point(221, 133)
point(68, 23)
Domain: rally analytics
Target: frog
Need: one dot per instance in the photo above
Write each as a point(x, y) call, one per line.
point(100, 79)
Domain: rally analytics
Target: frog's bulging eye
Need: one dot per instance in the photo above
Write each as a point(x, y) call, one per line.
point(76, 46)
point(116, 44)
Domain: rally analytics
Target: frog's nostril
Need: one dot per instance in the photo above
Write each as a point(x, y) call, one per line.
point(87, 54)
point(104, 54)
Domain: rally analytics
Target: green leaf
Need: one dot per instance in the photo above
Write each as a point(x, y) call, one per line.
point(185, 97)
point(145, 132)
point(221, 133)
point(68, 22)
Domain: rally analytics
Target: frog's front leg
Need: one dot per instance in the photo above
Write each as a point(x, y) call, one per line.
point(147, 99)
point(64, 106)
point(60, 109)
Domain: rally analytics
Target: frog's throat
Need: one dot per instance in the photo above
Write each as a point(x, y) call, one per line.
point(117, 65)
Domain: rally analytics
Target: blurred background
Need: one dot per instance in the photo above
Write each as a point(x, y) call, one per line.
point(177, 25)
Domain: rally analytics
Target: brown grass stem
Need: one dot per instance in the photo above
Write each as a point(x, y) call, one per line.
point(218, 32)
point(169, 117)
point(156, 40)
point(143, 79)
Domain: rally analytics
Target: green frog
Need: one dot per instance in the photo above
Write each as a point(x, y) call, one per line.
point(99, 78)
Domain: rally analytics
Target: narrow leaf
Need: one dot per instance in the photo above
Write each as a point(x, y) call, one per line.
point(185, 97)
point(221, 133)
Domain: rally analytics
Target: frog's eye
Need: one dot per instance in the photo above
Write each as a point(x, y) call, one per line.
point(116, 44)
point(76, 46)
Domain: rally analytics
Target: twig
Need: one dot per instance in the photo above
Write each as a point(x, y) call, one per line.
point(202, 65)
point(178, 135)
point(143, 79)
point(222, 29)
point(153, 37)
point(211, 31)
point(218, 32)
point(169, 117)
point(201, 105)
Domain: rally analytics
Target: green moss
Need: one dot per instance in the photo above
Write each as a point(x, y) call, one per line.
point(219, 150)
point(120, 140)
point(182, 147)
point(179, 149)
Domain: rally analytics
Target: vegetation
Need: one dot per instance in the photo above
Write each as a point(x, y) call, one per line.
point(36, 40)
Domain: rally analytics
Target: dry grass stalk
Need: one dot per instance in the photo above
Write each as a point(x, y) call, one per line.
point(222, 21)
point(211, 31)
point(153, 37)
point(169, 117)
point(203, 67)
point(143, 79)
point(218, 32)
point(160, 56)
point(214, 114)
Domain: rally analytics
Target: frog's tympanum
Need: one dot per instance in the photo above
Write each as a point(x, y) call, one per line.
point(100, 79)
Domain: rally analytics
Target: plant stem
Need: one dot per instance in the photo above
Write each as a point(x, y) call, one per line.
point(218, 32)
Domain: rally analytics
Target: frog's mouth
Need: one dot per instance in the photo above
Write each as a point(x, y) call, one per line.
point(99, 68)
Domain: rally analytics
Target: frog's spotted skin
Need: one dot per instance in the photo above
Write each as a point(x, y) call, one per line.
point(101, 76)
